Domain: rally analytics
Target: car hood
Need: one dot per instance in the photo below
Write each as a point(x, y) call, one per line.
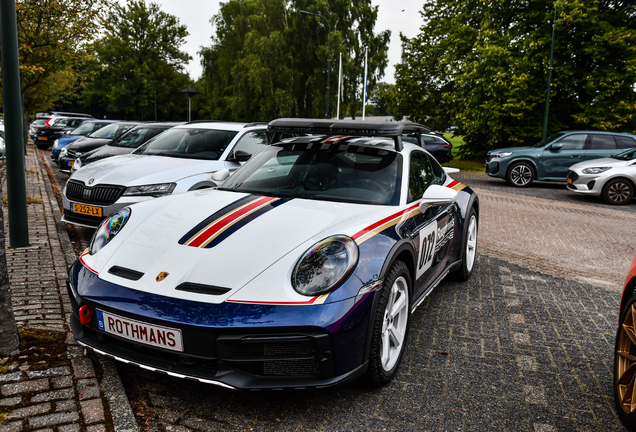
point(602, 162)
point(85, 144)
point(253, 256)
point(136, 170)
point(105, 152)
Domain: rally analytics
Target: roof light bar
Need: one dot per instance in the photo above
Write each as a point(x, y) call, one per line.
point(344, 127)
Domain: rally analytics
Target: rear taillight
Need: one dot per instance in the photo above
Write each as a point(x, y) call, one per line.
point(446, 145)
point(48, 122)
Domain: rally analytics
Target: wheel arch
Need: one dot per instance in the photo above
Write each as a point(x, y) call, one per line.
point(620, 177)
point(401, 251)
point(523, 159)
point(630, 287)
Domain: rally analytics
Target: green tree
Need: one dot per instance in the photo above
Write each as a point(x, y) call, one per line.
point(139, 54)
point(283, 57)
point(483, 67)
point(54, 38)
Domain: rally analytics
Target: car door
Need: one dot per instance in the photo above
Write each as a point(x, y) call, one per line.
point(559, 156)
point(601, 146)
point(431, 230)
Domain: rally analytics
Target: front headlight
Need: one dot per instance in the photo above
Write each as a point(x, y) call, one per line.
point(596, 170)
point(108, 229)
point(325, 266)
point(500, 155)
point(155, 190)
point(76, 165)
point(56, 143)
point(63, 152)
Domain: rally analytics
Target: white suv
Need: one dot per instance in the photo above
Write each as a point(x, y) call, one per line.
point(178, 160)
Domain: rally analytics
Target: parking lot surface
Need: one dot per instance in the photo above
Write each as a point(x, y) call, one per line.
point(525, 345)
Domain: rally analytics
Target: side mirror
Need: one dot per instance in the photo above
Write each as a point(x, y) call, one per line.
point(556, 146)
point(437, 195)
point(221, 175)
point(449, 170)
point(240, 156)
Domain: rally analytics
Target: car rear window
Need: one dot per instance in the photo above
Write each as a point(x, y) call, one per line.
point(625, 142)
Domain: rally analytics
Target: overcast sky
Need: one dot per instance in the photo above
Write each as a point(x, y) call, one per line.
point(395, 15)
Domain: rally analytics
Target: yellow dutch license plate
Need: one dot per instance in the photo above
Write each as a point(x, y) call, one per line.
point(86, 209)
point(42, 138)
point(569, 181)
point(70, 164)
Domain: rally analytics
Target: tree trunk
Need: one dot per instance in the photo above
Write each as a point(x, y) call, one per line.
point(8, 331)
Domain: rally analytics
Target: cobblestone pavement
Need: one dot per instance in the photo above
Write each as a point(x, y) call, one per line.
point(42, 388)
point(512, 349)
point(525, 345)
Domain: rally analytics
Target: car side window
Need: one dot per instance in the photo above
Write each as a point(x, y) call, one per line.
point(438, 171)
point(624, 142)
point(573, 142)
point(251, 142)
point(602, 142)
point(421, 176)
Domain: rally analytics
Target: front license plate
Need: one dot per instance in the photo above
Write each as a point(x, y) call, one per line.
point(42, 138)
point(569, 181)
point(86, 209)
point(70, 163)
point(137, 331)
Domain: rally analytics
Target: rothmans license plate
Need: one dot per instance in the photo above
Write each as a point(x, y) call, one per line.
point(86, 209)
point(141, 332)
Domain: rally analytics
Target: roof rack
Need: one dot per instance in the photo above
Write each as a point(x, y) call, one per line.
point(204, 121)
point(256, 124)
point(394, 130)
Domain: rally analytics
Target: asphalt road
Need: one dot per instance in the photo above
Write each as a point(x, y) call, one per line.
point(526, 350)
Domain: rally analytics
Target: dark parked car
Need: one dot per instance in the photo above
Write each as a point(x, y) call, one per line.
point(97, 139)
point(36, 125)
point(85, 129)
point(435, 144)
point(125, 144)
point(46, 136)
point(550, 159)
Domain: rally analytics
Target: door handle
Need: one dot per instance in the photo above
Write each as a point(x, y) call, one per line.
point(577, 156)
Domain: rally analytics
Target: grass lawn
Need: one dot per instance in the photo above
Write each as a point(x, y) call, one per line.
point(464, 165)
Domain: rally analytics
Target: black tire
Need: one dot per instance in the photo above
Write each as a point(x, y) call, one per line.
point(520, 174)
point(625, 369)
point(42, 146)
point(381, 372)
point(467, 255)
point(618, 192)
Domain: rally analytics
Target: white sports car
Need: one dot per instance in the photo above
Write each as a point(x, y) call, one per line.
point(176, 161)
point(612, 178)
point(301, 270)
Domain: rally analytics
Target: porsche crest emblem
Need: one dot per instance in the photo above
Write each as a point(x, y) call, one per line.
point(161, 276)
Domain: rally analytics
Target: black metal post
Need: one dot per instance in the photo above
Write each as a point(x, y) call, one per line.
point(547, 96)
point(14, 139)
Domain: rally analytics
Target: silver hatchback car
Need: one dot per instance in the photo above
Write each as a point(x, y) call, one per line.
point(613, 178)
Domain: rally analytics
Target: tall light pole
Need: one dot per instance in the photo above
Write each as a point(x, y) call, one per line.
point(328, 55)
point(237, 75)
point(547, 96)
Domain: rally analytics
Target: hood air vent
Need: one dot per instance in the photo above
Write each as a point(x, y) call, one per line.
point(125, 273)
point(202, 289)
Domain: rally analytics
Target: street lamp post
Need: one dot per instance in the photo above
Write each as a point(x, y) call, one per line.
point(237, 75)
point(547, 96)
point(328, 55)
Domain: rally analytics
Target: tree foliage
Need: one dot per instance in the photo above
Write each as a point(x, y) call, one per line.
point(54, 38)
point(483, 66)
point(139, 55)
point(282, 57)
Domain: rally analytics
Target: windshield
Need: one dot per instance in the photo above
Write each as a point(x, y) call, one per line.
point(136, 137)
point(190, 143)
point(111, 131)
point(88, 127)
point(626, 155)
point(549, 139)
point(353, 174)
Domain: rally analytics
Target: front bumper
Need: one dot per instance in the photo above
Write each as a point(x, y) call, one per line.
point(585, 184)
point(91, 221)
point(240, 346)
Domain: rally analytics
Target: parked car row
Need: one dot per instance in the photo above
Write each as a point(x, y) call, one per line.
point(593, 163)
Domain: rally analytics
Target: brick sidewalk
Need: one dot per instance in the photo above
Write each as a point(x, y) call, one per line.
point(66, 397)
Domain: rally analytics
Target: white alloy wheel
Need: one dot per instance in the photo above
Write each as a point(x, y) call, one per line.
point(394, 324)
point(471, 242)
